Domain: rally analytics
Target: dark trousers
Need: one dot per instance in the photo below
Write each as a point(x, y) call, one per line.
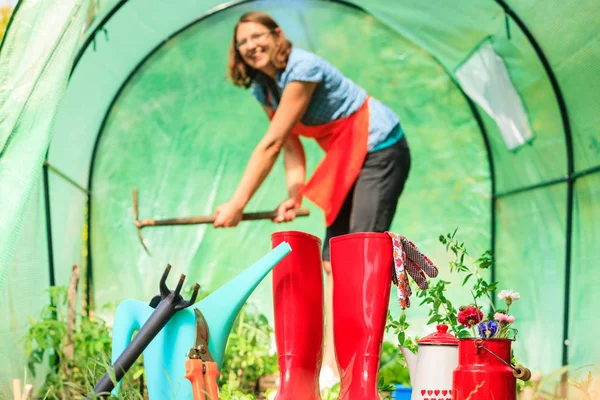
point(371, 203)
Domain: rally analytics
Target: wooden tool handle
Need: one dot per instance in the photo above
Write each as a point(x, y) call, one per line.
point(209, 219)
point(193, 373)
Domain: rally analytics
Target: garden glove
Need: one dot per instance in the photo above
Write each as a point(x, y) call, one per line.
point(408, 260)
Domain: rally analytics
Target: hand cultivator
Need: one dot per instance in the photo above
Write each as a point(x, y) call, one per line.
point(166, 305)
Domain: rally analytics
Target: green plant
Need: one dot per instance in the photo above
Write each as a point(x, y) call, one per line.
point(227, 393)
point(385, 388)
point(392, 366)
point(72, 367)
point(331, 393)
point(248, 355)
point(442, 310)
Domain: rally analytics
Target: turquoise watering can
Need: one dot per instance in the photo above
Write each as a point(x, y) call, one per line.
point(165, 356)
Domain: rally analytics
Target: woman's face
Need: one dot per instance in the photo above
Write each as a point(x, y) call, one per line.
point(255, 43)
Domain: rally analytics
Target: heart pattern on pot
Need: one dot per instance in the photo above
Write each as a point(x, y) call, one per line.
point(435, 394)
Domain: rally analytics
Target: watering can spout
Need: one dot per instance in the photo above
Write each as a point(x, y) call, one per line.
point(411, 362)
point(222, 307)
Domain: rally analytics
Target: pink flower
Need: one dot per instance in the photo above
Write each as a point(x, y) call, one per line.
point(501, 317)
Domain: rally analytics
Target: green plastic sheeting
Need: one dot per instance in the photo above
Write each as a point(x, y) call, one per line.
point(585, 274)
point(35, 59)
point(140, 99)
point(24, 291)
point(533, 265)
point(570, 38)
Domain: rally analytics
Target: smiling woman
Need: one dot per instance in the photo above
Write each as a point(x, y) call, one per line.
point(313, 99)
point(367, 159)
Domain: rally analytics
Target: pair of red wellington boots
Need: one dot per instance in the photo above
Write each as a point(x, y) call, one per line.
point(362, 272)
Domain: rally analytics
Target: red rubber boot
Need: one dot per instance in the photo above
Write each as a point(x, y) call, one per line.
point(298, 303)
point(362, 273)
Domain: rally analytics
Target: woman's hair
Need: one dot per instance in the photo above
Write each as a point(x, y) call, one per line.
point(240, 73)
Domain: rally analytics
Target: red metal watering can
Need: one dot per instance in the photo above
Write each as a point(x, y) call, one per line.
point(485, 371)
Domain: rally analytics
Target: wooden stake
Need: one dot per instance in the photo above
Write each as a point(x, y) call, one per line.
point(28, 392)
point(71, 319)
point(16, 389)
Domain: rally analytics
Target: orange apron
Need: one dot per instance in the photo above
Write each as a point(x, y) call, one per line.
point(345, 142)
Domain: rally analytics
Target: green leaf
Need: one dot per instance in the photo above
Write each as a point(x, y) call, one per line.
point(467, 279)
point(401, 337)
point(464, 334)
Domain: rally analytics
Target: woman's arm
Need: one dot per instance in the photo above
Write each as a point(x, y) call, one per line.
point(295, 173)
point(294, 102)
point(294, 162)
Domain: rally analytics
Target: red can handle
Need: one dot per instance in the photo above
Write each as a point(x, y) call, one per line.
point(519, 372)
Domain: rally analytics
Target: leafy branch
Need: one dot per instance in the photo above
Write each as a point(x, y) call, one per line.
point(481, 288)
point(441, 310)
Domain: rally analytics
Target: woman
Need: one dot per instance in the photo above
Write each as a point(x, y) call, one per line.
point(367, 161)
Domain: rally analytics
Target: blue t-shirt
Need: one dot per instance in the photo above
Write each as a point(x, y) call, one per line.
point(335, 97)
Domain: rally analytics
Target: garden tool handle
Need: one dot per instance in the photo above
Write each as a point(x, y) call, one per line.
point(209, 219)
point(211, 373)
point(203, 376)
point(194, 373)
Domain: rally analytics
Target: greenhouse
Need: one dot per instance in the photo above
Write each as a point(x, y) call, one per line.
point(497, 98)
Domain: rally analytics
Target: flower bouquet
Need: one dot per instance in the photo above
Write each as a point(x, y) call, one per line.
point(499, 326)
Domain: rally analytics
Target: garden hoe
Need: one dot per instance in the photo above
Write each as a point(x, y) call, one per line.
point(201, 219)
point(166, 305)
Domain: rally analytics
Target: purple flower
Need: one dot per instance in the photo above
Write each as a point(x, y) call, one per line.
point(487, 329)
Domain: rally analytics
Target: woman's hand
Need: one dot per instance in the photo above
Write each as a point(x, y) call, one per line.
point(285, 211)
point(228, 215)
